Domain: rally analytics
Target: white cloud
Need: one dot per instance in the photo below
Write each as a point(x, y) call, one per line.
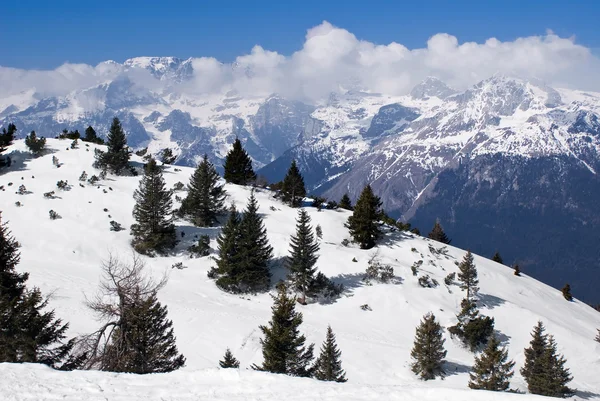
point(332, 58)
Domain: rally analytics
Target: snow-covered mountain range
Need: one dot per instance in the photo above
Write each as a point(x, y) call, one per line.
point(63, 258)
point(486, 148)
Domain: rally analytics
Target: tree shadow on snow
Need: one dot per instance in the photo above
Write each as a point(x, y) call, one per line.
point(391, 238)
point(279, 271)
point(19, 159)
point(455, 368)
point(191, 235)
point(490, 301)
point(586, 395)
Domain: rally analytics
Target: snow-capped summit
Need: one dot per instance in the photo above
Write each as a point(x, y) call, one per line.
point(431, 86)
point(163, 68)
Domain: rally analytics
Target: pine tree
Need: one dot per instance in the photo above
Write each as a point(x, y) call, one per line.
point(116, 158)
point(255, 253)
point(303, 255)
point(497, 258)
point(206, 198)
point(566, 292)
point(238, 165)
point(517, 271)
point(492, 371)
point(154, 230)
point(363, 224)
point(345, 202)
point(167, 156)
point(36, 145)
point(328, 366)
point(473, 330)
point(144, 342)
point(428, 351)
point(90, 136)
point(283, 346)
point(557, 375)
point(467, 276)
point(228, 245)
point(544, 370)
point(598, 336)
point(27, 332)
point(292, 188)
point(229, 361)
point(533, 368)
point(7, 137)
point(438, 234)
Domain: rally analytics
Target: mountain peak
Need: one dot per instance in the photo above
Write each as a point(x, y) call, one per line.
point(431, 86)
point(163, 68)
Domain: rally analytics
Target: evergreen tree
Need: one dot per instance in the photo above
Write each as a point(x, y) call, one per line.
point(144, 342)
point(598, 336)
point(283, 346)
point(90, 136)
point(206, 198)
point(566, 292)
point(154, 230)
point(345, 202)
point(467, 276)
point(7, 137)
point(364, 222)
point(228, 245)
point(36, 145)
point(544, 370)
point(292, 188)
point(229, 361)
point(116, 158)
point(492, 371)
point(303, 255)
point(517, 270)
point(255, 252)
point(238, 165)
point(438, 234)
point(167, 156)
point(328, 366)
point(497, 258)
point(533, 368)
point(28, 333)
point(428, 351)
point(557, 376)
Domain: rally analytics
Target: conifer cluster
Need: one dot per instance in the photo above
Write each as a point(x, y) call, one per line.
point(244, 252)
point(28, 332)
point(284, 348)
point(36, 145)
point(544, 369)
point(92, 137)
point(7, 137)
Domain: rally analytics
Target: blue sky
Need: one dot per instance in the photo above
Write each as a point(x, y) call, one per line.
point(43, 34)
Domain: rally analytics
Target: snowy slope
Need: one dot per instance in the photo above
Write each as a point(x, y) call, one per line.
point(64, 257)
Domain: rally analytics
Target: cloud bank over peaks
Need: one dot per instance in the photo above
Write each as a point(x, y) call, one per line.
point(332, 58)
